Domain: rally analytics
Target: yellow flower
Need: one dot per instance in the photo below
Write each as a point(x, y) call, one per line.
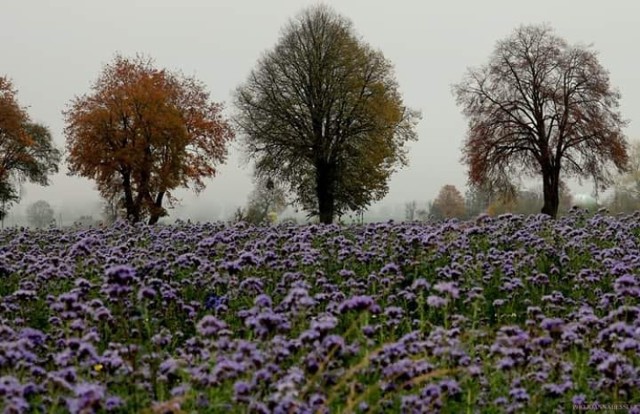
point(98, 367)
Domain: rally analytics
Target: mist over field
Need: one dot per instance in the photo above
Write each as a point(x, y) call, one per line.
point(53, 51)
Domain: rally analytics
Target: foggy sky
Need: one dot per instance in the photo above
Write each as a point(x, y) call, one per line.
point(53, 50)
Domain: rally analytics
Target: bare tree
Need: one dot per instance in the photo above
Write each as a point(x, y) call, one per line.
point(410, 209)
point(538, 108)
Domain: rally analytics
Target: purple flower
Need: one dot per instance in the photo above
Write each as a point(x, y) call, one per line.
point(436, 301)
point(168, 367)
point(88, 398)
point(450, 386)
point(506, 363)
point(241, 391)
point(213, 301)
point(557, 390)
point(356, 303)
point(615, 366)
point(113, 403)
point(16, 405)
point(263, 301)
point(333, 341)
point(121, 275)
point(553, 325)
point(146, 292)
point(267, 322)
point(210, 326)
point(500, 401)
point(180, 390)
point(324, 323)
point(519, 394)
point(579, 399)
point(449, 288)
point(393, 312)
point(10, 386)
point(35, 336)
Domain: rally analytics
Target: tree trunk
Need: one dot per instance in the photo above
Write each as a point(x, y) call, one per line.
point(325, 185)
point(133, 213)
point(156, 211)
point(550, 188)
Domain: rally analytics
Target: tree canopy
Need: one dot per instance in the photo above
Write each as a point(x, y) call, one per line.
point(142, 132)
point(626, 195)
point(266, 202)
point(27, 151)
point(40, 214)
point(322, 113)
point(541, 107)
point(449, 204)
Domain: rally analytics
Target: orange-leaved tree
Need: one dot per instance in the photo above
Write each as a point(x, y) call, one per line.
point(449, 203)
point(142, 132)
point(538, 108)
point(27, 152)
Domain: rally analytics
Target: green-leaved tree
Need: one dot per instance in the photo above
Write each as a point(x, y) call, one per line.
point(322, 113)
point(27, 152)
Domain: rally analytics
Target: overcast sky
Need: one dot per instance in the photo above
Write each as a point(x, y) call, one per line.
point(53, 50)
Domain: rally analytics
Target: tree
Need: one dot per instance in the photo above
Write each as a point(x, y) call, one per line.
point(528, 200)
point(410, 210)
point(40, 214)
point(538, 108)
point(448, 204)
point(422, 214)
point(142, 132)
point(84, 221)
point(27, 152)
point(267, 199)
point(8, 196)
point(630, 181)
point(622, 201)
point(626, 196)
point(502, 205)
point(110, 211)
point(322, 113)
point(477, 200)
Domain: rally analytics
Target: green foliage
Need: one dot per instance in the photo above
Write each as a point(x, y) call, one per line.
point(322, 113)
point(27, 152)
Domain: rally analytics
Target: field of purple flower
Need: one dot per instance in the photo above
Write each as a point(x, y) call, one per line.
point(507, 314)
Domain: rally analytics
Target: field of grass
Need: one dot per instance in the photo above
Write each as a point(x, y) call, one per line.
point(508, 314)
